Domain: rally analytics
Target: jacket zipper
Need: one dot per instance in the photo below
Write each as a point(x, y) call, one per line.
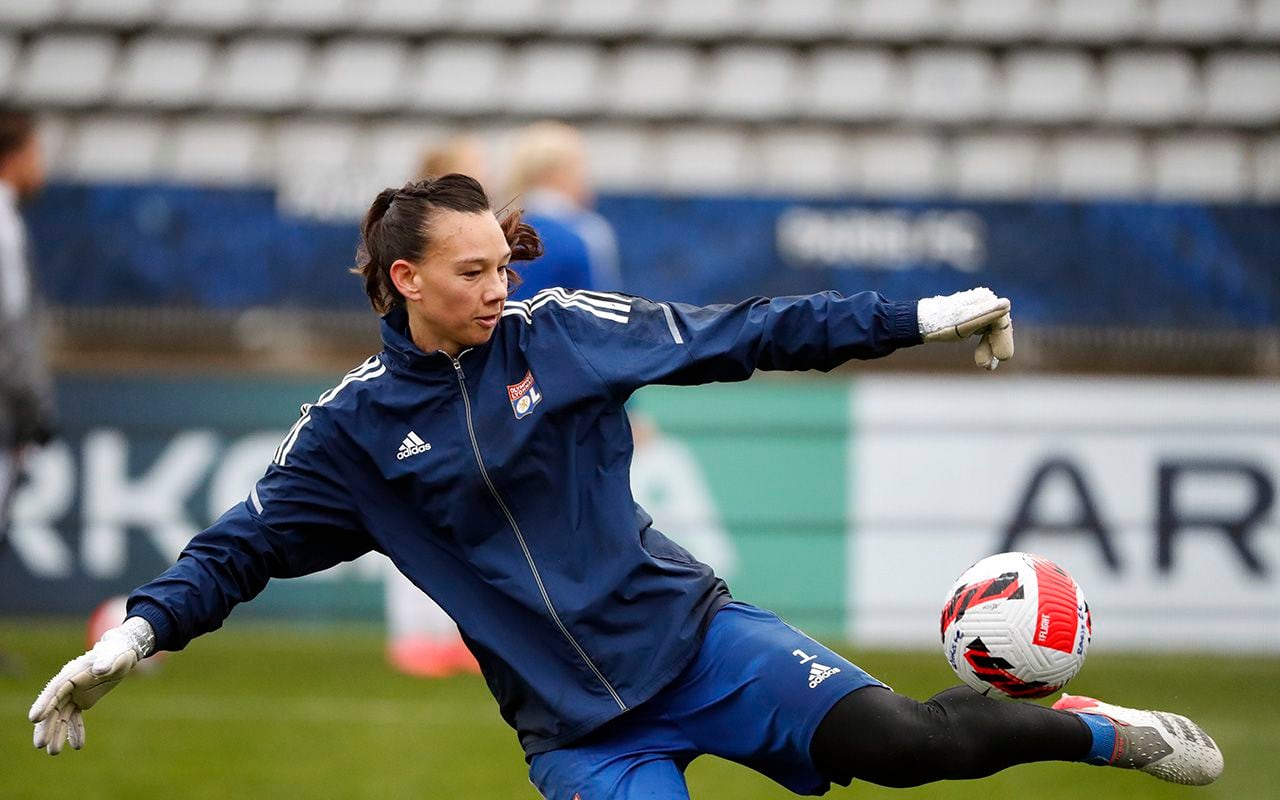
point(475, 447)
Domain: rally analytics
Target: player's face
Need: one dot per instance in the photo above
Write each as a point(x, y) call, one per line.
point(457, 292)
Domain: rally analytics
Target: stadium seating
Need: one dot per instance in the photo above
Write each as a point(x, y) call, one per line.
point(462, 76)
point(117, 148)
point(998, 165)
point(555, 79)
point(1243, 88)
point(164, 71)
point(655, 81)
point(1200, 166)
point(1098, 165)
point(262, 73)
point(1049, 86)
point(950, 85)
point(852, 85)
point(752, 82)
point(227, 150)
point(900, 163)
point(360, 75)
point(1139, 76)
point(998, 20)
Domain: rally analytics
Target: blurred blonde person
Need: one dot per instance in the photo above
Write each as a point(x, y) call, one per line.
point(422, 640)
point(551, 182)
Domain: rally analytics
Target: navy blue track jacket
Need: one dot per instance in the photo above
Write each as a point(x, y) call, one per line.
point(498, 483)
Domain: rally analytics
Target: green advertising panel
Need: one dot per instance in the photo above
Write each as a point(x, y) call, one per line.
point(773, 455)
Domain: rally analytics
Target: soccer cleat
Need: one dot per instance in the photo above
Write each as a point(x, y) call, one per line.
point(1168, 746)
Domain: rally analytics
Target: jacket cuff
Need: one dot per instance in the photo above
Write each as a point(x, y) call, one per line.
point(159, 619)
point(905, 324)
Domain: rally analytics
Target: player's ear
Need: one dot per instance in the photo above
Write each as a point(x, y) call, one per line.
point(407, 280)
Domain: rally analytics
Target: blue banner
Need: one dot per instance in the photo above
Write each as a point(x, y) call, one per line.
point(1124, 264)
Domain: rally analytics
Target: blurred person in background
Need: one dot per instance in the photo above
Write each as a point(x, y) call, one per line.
point(423, 640)
point(26, 393)
point(485, 450)
point(550, 181)
point(26, 390)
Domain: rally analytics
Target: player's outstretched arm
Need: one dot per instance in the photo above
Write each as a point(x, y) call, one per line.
point(955, 317)
point(81, 683)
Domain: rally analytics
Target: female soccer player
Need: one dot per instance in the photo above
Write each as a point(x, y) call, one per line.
point(485, 451)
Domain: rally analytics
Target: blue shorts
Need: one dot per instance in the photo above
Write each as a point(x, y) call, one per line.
point(754, 694)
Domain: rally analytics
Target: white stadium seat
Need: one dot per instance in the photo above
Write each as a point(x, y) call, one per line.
point(1265, 23)
point(392, 152)
point(221, 152)
point(1202, 167)
point(1266, 169)
point(219, 16)
point(1243, 88)
point(67, 69)
point(752, 82)
point(262, 72)
point(112, 13)
point(112, 148)
point(54, 131)
point(504, 16)
point(1049, 86)
point(851, 84)
point(998, 165)
point(898, 19)
point(553, 79)
point(620, 158)
point(1098, 20)
point(699, 160)
point(459, 77)
point(656, 80)
point(363, 75)
point(799, 19)
point(594, 18)
point(901, 164)
point(8, 63)
point(950, 85)
point(308, 14)
point(407, 16)
point(701, 19)
point(306, 146)
point(1197, 20)
point(25, 14)
point(165, 72)
point(998, 20)
point(1151, 88)
point(1098, 166)
point(805, 161)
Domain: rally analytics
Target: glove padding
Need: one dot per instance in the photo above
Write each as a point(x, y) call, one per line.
point(79, 685)
point(956, 317)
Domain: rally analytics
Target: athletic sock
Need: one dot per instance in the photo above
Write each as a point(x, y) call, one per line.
point(1103, 750)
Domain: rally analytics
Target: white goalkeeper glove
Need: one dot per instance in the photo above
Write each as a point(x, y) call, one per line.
point(57, 712)
point(958, 316)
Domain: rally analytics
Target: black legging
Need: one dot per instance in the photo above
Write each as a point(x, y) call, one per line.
point(875, 735)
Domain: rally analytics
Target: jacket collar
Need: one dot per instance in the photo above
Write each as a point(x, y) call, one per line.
point(402, 352)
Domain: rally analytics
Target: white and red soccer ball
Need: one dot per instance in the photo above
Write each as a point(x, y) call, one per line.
point(1016, 625)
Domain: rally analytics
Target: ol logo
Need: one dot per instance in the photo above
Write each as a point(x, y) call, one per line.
point(524, 395)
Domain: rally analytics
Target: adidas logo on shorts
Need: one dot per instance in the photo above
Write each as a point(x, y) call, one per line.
point(411, 446)
point(819, 673)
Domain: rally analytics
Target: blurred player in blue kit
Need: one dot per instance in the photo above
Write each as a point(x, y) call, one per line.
point(486, 452)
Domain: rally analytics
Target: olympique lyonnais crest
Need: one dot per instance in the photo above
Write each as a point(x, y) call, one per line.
point(524, 395)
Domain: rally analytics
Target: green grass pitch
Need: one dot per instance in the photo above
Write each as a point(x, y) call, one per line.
point(283, 712)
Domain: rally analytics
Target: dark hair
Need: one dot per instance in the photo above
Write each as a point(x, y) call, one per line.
point(398, 225)
point(17, 126)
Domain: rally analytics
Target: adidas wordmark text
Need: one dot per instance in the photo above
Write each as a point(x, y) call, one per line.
point(411, 446)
